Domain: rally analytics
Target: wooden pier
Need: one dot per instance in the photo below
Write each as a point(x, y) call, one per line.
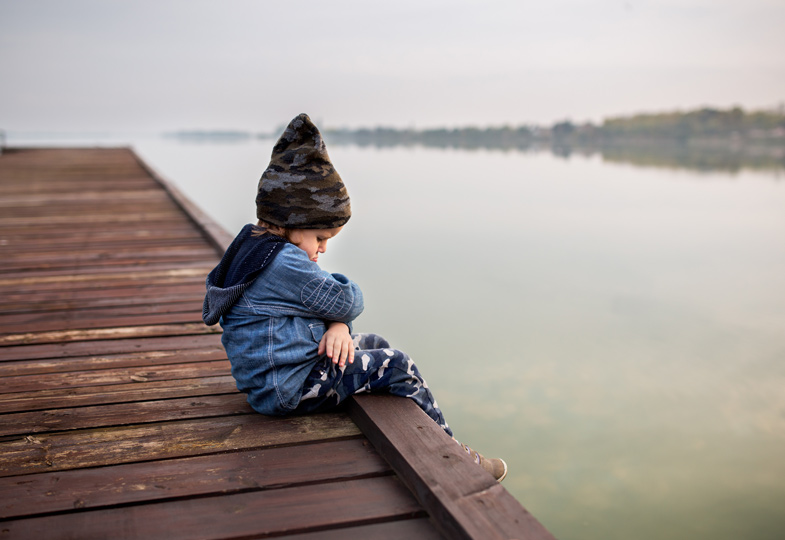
point(118, 414)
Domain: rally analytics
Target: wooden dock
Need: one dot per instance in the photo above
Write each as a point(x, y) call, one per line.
point(118, 414)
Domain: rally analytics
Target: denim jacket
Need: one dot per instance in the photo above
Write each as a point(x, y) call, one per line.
point(274, 320)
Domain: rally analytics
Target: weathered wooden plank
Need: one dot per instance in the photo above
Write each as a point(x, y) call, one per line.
point(104, 256)
point(132, 272)
point(97, 278)
point(463, 499)
point(106, 267)
point(140, 264)
point(45, 493)
point(64, 419)
point(128, 444)
point(86, 212)
point(146, 359)
point(92, 318)
point(40, 237)
point(116, 393)
point(149, 301)
point(41, 247)
point(93, 201)
point(244, 515)
point(91, 261)
point(109, 232)
point(105, 333)
point(94, 219)
point(79, 262)
point(101, 317)
point(54, 322)
point(34, 184)
point(417, 528)
point(194, 296)
point(113, 294)
point(37, 181)
point(82, 197)
point(78, 300)
point(115, 346)
point(89, 250)
point(89, 278)
point(103, 377)
point(53, 290)
point(99, 290)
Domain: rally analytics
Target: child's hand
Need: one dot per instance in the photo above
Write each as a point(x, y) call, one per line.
point(337, 344)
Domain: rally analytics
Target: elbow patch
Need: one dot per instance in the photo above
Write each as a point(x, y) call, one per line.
point(326, 298)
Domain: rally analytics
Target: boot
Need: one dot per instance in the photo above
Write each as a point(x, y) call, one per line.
point(496, 466)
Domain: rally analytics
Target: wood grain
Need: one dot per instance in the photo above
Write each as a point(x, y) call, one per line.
point(250, 470)
point(100, 447)
point(244, 515)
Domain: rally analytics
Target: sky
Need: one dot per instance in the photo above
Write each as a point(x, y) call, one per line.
point(144, 65)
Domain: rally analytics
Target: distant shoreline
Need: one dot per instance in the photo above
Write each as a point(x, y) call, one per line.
point(706, 127)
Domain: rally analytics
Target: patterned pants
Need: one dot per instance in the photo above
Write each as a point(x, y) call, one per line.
point(376, 368)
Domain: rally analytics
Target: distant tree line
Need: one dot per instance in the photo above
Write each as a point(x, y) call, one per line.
point(468, 137)
point(675, 127)
point(701, 123)
point(704, 139)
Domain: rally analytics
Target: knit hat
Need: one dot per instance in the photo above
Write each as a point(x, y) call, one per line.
point(300, 188)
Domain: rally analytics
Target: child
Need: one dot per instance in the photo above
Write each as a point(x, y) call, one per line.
point(287, 323)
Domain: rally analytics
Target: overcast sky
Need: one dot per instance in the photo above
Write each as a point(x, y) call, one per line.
point(254, 64)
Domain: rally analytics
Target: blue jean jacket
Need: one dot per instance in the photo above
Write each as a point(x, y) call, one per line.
point(271, 333)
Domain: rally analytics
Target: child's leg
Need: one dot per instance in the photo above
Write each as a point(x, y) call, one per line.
point(369, 341)
point(376, 368)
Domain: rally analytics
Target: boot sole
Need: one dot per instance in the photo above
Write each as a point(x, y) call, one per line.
point(504, 474)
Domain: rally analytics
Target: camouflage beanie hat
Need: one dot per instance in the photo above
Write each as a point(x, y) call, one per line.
point(300, 188)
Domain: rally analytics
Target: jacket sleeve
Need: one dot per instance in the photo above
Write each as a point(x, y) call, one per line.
point(297, 285)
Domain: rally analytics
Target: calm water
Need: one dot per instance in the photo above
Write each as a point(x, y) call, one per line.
point(617, 334)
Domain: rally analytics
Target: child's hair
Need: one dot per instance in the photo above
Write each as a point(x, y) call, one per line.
point(262, 227)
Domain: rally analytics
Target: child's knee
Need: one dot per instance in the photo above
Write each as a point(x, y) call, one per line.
point(369, 341)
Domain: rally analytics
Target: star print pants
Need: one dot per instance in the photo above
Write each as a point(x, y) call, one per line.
point(376, 368)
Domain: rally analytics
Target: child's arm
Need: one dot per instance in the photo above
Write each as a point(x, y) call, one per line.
point(337, 343)
point(299, 282)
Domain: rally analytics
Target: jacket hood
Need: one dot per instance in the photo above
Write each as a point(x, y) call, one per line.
point(243, 262)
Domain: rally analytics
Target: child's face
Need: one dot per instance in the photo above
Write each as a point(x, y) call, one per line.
point(312, 241)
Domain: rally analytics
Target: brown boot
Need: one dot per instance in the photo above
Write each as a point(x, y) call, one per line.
point(496, 466)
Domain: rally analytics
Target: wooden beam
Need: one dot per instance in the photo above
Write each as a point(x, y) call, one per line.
point(464, 501)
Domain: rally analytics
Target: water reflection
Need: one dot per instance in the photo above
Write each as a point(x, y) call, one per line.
point(693, 156)
point(698, 158)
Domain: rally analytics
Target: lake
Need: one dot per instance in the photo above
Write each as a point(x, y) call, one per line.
point(616, 332)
